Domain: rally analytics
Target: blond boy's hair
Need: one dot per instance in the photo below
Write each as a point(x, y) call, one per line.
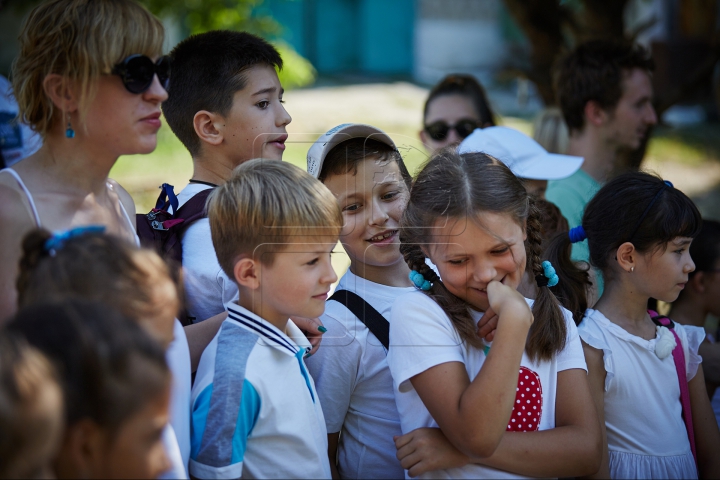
point(79, 40)
point(265, 205)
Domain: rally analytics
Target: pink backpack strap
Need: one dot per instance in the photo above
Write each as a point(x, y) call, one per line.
point(679, 357)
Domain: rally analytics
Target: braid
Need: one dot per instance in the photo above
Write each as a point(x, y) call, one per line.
point(454, 307)
point(33, 251)
point(548, 332)
point(534, 239)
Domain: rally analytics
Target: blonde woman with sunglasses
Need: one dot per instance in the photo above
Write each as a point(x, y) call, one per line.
point(90, 80)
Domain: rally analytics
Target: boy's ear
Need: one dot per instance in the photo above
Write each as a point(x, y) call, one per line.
point(626, 256)
point(207, 127)
point(247, 273)
point(61, 92)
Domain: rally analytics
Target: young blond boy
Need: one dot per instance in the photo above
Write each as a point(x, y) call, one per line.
point(256, 413)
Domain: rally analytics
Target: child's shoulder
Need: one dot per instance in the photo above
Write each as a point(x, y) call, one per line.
point(380, 297)
point(417, 301)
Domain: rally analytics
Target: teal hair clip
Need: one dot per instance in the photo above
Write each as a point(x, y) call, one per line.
point(419, 281)
point(549, 278)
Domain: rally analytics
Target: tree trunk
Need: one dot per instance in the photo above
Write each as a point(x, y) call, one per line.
point(541, 21)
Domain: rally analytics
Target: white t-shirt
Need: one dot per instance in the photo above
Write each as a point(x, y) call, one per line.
point(422, 336)
point(646, 434)
point(177, 470)
point(207, 288)
point(256, 413)
point(354, 384)
point(178, 359)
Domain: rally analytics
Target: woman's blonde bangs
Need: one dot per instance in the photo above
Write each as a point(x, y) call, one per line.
point(79, 40)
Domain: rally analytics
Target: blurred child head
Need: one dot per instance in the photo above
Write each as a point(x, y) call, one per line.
point(364, 171)
point(527, 159)
point(475, 221)
point(703, 287)
point(116, 386)
point(550, 131)
point(454, 108)
point(226, 96)
point(31, 410)
point(273, 227)
point(104, 268)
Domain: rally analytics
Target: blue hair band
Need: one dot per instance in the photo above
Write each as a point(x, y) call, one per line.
point(549, 278)
point(419, 281)
point(58, 240)
point(577, 234)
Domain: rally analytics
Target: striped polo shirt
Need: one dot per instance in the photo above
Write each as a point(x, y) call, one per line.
point(255, 412)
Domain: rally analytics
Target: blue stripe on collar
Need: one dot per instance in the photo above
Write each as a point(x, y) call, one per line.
point(262, 330)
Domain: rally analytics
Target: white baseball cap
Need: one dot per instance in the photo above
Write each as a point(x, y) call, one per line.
point(322, 146)
point(523, 155)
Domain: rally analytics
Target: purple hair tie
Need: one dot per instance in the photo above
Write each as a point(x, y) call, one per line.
point(577, 234)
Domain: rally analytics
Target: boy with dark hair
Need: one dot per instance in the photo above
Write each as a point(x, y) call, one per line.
point(363, 169)
point(605, 93)
point(225, 106)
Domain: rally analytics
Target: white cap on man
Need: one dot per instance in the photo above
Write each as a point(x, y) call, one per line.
point(322, 146)
point(523, 155)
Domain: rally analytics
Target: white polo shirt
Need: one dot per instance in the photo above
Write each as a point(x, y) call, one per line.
point(255, 411)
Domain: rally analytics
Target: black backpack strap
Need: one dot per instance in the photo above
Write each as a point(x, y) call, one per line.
point(193, 209)
point(365, 312)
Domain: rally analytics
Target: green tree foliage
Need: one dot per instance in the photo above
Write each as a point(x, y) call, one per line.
point(198, 16)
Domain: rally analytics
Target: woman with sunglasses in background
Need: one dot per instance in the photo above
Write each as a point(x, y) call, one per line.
point(89, 79)
point(455, 107)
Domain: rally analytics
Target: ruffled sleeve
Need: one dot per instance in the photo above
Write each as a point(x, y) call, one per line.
point(691, 338)
point(592, 334)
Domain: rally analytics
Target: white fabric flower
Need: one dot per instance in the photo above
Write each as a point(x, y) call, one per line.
point(665, 342)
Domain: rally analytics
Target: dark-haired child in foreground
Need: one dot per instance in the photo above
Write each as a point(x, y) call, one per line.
point(366, 174)
point(116, 387)
point(256, 413)
point(86, 263)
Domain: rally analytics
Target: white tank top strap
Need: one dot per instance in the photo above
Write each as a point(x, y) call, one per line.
point(14, 174)
point(127, 217)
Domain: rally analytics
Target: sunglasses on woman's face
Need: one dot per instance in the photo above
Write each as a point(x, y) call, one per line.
point(440, 129)
point(137, 72)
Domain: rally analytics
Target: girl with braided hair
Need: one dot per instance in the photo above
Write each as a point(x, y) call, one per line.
point(470, 409)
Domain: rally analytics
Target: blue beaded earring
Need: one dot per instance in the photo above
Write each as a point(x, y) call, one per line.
point(69, 132)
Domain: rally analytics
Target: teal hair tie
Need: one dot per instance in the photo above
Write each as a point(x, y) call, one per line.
point(58, 240)
point(549, 273)
point(419, 281)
